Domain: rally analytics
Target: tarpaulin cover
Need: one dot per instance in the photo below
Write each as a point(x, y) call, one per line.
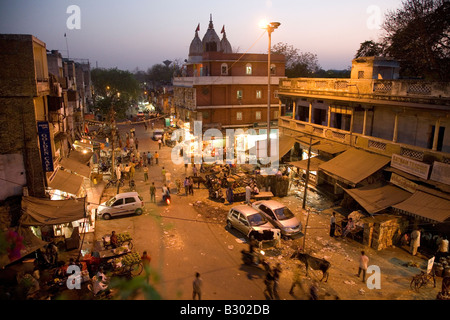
point(76, 166)
point(354, 165)
point(426, 206)
point(377, 197)
point(314, 164)
point(40, 212)
point(67, 182)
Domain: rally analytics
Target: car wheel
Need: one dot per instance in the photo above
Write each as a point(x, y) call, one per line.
point(138, 211)
point(106, 216)
point(229, 224)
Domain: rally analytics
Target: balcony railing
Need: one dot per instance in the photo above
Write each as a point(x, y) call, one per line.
point(357, 140)
point(396, 90)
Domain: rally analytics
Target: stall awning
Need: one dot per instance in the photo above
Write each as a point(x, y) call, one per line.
point(303, 164)
point(426, 206)
point(76, 167)
point(331, 148)
point(354, 165)
point(67, 182)
point(285, 143)
point(41, 212)
point(377, 197)
point(80, 156)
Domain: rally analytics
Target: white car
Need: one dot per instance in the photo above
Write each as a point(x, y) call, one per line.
point(280, 216)
point(245, 219)
point(121, 204)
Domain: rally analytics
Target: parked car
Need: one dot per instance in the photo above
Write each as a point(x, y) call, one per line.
point(280, 216)
point(245, 219)
point(121, 204)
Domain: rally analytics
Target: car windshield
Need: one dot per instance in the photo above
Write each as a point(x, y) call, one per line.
point(110, 202)
point(256, 219)
point(283, 213)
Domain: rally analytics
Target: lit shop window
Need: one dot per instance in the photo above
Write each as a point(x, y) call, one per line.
point(258, 115)
point(239, 94)
point(258, 94)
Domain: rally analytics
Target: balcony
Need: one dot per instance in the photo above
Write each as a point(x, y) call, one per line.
point(289, 126)
point(374, 91)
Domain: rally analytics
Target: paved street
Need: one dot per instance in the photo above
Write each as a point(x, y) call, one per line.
point(190, 236)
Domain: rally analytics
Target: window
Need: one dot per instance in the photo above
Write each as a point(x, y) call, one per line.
point(275, 114)
point(238, 115)
point(258, 115)
point(248, 69)
point(258, 94)
point(275, 94)
point(360, 74)
point(224, 69)
point(118, 202)
point(239, 94)
point(129, 200)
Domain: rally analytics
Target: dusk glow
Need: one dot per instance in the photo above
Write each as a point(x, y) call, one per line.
point(140, 33)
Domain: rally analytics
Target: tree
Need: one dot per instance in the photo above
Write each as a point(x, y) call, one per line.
point(113, 87)
point(369, 48)
point(298, 64)
point(418, 35)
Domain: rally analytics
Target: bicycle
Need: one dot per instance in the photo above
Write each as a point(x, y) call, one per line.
point(422, 279)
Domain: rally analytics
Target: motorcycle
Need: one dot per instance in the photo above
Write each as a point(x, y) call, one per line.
point(166, 198)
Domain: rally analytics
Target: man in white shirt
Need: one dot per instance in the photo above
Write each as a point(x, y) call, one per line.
point(363, 265)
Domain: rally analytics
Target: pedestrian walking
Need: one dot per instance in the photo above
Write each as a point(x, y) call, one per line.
point(268, 281)
point(156, 157)
point(248, 193)
point(146, 259)
point(152, 192)
point(163, 172)
point(194, 170)
point(118, 172)
point(197, 287)
point(191, 186)
point(145, 173)
point(168, 178)
point(137, 144)
point(415, 241)
point(276, 281)
point(332, 224)
point(185, 168)
point(363, 264)
point(186, 185)
point(296, 279)
point(313, 291)
point(159, 143)
point(132, 171)
point(149, 157)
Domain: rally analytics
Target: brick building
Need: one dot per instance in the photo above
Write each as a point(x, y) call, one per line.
point(225, 89)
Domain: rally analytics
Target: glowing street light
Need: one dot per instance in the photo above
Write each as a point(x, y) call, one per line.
point(270, 27)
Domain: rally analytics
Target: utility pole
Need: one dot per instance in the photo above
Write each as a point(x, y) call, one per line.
point(307, 173)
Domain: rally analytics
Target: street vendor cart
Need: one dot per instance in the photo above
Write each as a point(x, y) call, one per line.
point(123, 239)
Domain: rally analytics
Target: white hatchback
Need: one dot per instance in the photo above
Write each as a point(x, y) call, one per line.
point(121, 204)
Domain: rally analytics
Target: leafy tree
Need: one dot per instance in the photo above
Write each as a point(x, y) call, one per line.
point(298, 64)
point(114, 88)
point(369, 48)
point(418, 35)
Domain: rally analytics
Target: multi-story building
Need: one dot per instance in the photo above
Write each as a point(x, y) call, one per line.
point(225, 89)
point(372, 128)
point(24, 88)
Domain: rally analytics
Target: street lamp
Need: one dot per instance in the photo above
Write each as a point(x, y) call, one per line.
point(270, 27)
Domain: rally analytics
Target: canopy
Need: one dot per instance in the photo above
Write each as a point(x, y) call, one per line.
point(76, 167)
point(67, 182)
point(354, 165)
point(30, 243)
point(303, 164)
point(426, 206)
point(43, 211)
point(285, 143)
point(81, 156)
point(377, 197)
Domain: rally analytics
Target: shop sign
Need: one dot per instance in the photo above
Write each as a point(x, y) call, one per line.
point(441, 172)
point(403, 183)
point(413, 167)
point(45, 146)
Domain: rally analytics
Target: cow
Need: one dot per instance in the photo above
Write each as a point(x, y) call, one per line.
point(315, 263)
point(198, 180)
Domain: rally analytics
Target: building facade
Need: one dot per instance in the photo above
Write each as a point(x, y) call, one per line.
point(225, 89)
point(373, 128)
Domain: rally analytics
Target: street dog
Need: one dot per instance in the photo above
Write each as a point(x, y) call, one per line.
point(314, 263)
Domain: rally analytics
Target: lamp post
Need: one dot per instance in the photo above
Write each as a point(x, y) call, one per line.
point(270, 27)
